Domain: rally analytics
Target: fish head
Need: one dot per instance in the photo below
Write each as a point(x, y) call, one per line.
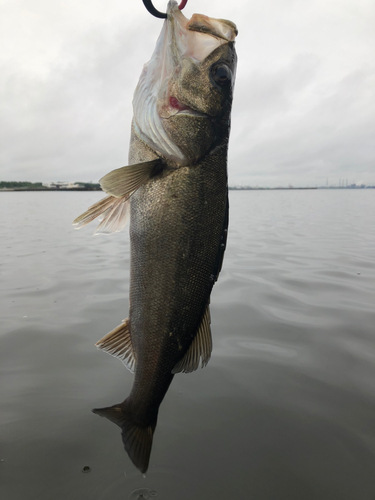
point(183, 100)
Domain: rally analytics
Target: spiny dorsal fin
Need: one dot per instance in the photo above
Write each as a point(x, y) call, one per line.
point(200, 348)
point(118, 343)
point(123, 181)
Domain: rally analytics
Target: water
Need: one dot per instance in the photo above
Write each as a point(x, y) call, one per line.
point(285, 408)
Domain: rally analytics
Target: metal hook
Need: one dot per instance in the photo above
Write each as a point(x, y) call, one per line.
point(156, 13)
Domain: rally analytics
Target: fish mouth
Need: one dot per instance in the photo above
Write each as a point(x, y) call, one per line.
point(154, 101)
point(199, 36)
point(221, 29)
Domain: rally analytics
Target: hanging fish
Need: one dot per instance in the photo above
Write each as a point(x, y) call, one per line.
point(175, 192)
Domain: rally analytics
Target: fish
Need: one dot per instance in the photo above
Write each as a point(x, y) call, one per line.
point(175, 193)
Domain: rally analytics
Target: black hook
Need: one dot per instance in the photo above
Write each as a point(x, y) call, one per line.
point(153, 11)
point(156, 13)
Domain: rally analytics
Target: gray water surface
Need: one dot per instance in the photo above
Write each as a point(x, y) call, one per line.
point(284, 410)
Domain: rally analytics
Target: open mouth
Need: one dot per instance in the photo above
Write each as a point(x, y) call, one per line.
point(153, 104)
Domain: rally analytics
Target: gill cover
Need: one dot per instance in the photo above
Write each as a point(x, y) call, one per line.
point(153, 104)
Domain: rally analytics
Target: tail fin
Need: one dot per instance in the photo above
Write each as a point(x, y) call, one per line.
point(137, 439)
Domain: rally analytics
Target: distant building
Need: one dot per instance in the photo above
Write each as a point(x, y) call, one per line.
point(59, 184)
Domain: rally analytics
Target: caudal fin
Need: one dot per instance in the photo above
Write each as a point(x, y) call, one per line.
point(137, 439)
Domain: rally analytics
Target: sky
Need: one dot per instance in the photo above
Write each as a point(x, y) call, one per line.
point(304, 104)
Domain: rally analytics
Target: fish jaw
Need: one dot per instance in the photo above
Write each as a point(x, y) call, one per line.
point(183, 55)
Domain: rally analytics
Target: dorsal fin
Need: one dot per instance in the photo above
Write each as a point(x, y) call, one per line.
point(118, 343)
point(200, 348)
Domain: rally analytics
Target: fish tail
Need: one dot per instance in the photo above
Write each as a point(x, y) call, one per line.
point(137, 438)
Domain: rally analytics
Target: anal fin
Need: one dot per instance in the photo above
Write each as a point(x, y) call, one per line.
point(200, 348)
point(118, 343)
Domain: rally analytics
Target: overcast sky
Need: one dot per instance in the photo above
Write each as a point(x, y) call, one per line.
point(304, 106)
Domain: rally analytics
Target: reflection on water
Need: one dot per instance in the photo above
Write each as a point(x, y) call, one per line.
point(285, 408)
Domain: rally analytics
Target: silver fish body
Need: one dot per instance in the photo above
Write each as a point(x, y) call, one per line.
point(178, 232)
point(176, 191)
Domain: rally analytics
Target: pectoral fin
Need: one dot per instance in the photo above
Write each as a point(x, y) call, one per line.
point(118, 343)
point(200, 348)
point(123, 181)
point(120, 184)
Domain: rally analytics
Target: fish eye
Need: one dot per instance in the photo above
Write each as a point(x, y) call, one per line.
point(221, 74)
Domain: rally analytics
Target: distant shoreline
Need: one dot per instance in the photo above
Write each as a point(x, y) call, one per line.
point(7, 190)
point(347, 188)
point(98, 189)
point(50, 189)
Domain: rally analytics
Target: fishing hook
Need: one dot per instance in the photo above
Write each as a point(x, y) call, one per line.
point(156, 13)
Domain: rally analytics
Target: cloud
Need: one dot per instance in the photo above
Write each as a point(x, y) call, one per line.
point(308, 131)
point(74, 121)
point(304, 96)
